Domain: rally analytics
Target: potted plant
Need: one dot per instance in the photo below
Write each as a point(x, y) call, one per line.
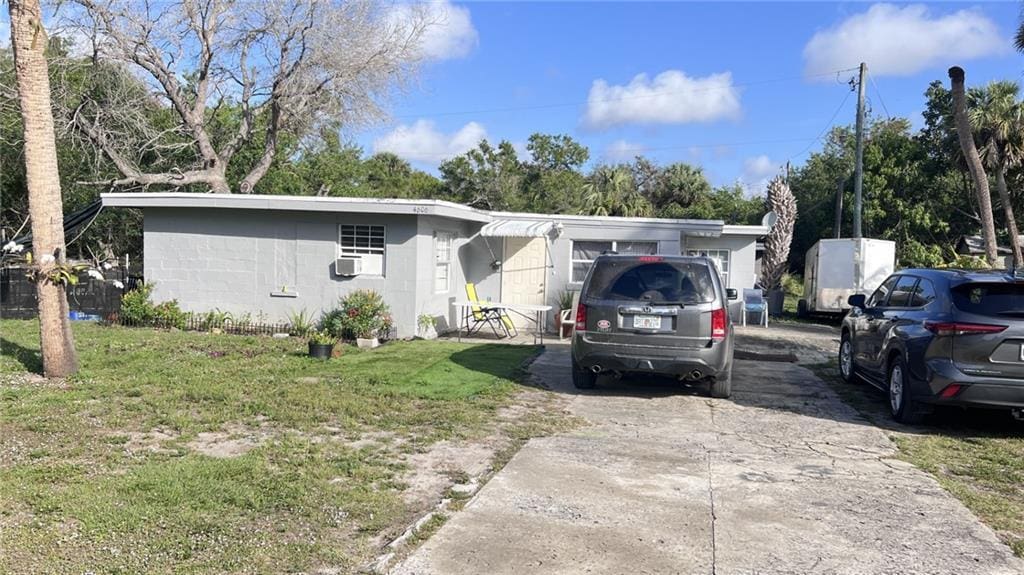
point(321, 343)
point(428, 326)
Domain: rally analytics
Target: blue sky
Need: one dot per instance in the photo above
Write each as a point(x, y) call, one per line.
point(737, 88)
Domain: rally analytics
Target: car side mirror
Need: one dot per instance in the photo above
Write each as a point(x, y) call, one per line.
point(731, 293)
point(858, 301)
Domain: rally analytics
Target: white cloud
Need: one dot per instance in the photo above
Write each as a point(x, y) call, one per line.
point(897, 41)
point(423, 142)
point(449, 33)
point(671, 97)
point(622, 151)
point(757, 172)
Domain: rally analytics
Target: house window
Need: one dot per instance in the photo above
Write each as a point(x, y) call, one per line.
point(442, 262)
point(366, 243)
point(585, 252)
point(721, 259)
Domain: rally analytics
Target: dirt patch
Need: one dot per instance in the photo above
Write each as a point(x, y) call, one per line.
point(233, 441)
point(148, 441)
point(434, 470)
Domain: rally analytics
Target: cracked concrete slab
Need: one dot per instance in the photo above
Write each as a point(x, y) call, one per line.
point(782, 478)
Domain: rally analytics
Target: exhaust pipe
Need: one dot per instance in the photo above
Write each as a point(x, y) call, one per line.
point(596, 369)
point(1017, 414)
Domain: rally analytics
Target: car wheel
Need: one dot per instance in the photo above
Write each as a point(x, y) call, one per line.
point(847, 370)
point(721, 387)
point(582, 378)
point(902, 406)
point(801, 309)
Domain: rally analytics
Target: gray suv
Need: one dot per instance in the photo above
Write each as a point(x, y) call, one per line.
point(662, 315)
point(939, 337)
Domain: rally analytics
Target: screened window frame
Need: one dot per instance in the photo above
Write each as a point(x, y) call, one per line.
point(357, 251)
point(712, 253)
point(447, 263)
point(614, 245)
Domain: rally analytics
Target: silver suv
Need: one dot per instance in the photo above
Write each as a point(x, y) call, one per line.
point(662, 315)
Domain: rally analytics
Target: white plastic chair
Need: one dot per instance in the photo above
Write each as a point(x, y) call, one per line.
point(567, 317)
point(753, 302)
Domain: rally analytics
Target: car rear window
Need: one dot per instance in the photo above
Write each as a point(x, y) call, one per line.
point(655, 282)
point(993, 299)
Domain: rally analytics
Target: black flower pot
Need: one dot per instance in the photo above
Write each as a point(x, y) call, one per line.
point(320, 350)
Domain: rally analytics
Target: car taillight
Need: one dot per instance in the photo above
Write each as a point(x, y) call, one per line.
point(950, 390)
point(718, 324)
point(960, 328)
point(581, 317)
point(651, 259)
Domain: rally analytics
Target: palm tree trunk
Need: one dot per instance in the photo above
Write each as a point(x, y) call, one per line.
point(28, 39)
point(963, 131)
point(1011, 222)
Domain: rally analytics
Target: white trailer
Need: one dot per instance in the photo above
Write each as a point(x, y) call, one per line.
point(836, 269)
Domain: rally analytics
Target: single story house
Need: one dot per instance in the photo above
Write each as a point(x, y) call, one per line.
point(276, 255)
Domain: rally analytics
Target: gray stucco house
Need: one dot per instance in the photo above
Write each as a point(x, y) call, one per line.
point(279, 254)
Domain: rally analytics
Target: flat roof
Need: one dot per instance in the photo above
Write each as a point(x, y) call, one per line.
point(402, 206)
point(295, 203)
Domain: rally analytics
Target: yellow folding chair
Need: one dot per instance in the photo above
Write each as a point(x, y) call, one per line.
point(477, 316)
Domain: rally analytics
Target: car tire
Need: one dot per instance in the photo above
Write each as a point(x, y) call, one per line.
point(902, 405)
point(847, 368)
point(721, 387)
point(582, 378)
point(801, 309)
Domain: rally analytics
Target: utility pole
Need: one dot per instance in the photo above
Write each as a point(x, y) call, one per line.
point(838, 227)
point(858, 173)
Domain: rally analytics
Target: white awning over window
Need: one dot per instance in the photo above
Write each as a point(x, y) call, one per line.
point(520, 229)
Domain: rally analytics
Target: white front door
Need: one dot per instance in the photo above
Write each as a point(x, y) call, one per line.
point(523, 274)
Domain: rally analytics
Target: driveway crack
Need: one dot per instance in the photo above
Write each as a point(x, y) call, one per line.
point(711, 494)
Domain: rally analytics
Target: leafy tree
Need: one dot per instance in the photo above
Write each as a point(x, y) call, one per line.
point(485, 177)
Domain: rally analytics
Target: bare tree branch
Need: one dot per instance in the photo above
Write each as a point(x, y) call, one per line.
point(287, 66)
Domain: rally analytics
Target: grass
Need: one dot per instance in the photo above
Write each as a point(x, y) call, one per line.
point(977, 455)
point(100, 472)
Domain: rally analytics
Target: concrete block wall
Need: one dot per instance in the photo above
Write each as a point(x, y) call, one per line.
point(270, 263)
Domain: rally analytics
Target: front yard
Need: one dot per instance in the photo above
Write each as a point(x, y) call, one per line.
point(194, 452)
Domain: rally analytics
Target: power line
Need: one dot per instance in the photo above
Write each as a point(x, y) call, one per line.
point(620, 99)
point(879, 94)
point(824, 130)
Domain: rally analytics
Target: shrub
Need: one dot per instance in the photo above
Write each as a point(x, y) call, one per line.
point(361, 314)
point(301, 322)
point(793, 284)
point(137, 309)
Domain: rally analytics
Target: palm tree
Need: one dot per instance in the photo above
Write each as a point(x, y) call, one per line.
point(28, 40)
point(610, 191)
point(997, 116)
point(970, 151)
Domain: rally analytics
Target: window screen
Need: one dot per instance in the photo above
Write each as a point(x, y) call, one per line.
point(365, 242)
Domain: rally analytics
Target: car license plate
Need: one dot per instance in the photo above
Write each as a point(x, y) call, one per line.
point(647, 321)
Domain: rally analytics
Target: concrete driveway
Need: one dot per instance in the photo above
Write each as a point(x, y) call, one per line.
point(782, 478)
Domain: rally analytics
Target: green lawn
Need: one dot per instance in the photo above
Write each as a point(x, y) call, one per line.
point(978, 456)
point(101, 473)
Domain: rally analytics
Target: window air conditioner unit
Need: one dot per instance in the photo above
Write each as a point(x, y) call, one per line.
point(348, 266)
